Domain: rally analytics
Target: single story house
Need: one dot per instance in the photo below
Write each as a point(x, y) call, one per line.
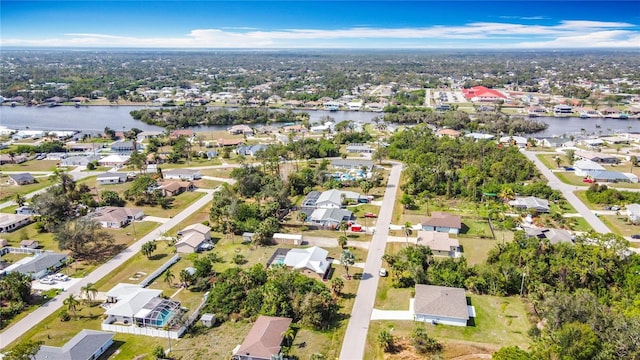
point(518, 141)
point(440, 243)
point(264, 340)
point(311, 260)
point(442, 222)
point(84, 147)
point(554, 236)
point(584, 167)
point(192, 238)
point(86, 345)
point(597, 157)
point(16, 159)
point(608, 176)
point(21, 179)
point(116, 217)
point(173, 188)
point(229, 142)
point(295, 239)
point(114, 160)
point(240, 129)
point(250, 150)
point(149, 135)
point(25, 210)
point(530, 202)
point(11, 222)
point(330, 218)
point(359, 148)
point(334, 198)
point(441, 305)
point(448, 132)
point(29, 244)
point(182, 174)
point(111, 178)
point(80, 160)
point(142, 307)
point(125, 147)
point(38, 266)
point(352, 164)
point(633, 212)
point(174, 134)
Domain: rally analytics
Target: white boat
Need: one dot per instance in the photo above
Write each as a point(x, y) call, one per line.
point(562, 111)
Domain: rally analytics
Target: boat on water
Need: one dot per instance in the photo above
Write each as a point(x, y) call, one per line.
point(332, 106)
point(562, 110)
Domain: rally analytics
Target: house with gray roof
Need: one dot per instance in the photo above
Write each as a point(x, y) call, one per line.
point(80, 160)
point(333, 198)
point(40, 265)
point(86, 345)
point(352, 164)
point(330, 218)
point(555, 236)
point(359, 148)
point(21, 179)
point(250, 150)
point(125, 147)
point(111, 178)
point(530, 202)
point(441, 305)
point(608, 176)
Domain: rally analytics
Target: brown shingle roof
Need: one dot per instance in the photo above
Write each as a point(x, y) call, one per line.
point(264, 338)
point(443, 219)
point(441, 301)
point(437, 241)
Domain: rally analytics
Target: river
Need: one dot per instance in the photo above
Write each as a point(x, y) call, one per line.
point(117, 117)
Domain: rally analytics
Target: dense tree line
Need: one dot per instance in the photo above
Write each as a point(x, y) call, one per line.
point(275, 292)
point(185, 116)
point(15, 289)
point(456, 167)
point(494, 123)
point(43, 147)
point(602, 194)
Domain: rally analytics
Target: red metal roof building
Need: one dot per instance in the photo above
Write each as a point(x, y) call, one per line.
point(481, 93)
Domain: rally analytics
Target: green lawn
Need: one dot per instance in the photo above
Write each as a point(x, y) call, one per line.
point(179, 203)
point(500, 322)
point(219, 172)
point(475, 250)
point(582, 195)
point(31, 165)
point(549, 160)
point(620, 225)
point(8, 192)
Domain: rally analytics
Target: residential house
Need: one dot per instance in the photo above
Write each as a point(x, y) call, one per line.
point(229, 142)
point(441, 305)
point(11, 222)
point(352, 164)
point(598, 157)
point(111, 178)
point(448, 132)
point(442, 222)
point(518, 141)
point(115, 217)
point(555, 236)
point(330, 218)
point(359, 148)
point(311, 260)
point(174, 134)
point(553, 142)
point(608, 176)
point(250, 150)
point(192, 238)
point(440, 243)
point(264, 340)
point(25, 210)
point(86, 345)
point(21, 179)
point(125, 147)
point(293, 239)
point(38, 266)
point(334, 198)
point(140, 307)
point(16, 159)
point(584, 167)
point(240, 129)
point(84, 147)
point(530, 202)
point(29, 244)
point(149, 135)
point(633, 212)
point(174, 188)
point(80, 160)
point(182, 174)
point(114, 160)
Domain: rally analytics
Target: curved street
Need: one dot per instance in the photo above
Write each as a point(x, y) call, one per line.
point(355, 337)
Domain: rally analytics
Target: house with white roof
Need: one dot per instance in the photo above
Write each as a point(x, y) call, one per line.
point(633, 212)
point(440, 243)
point(584, 167)
point(111, 178)
point(530, 202)
point(182, 174)
point(331, 199)
point(114, 160)
point(11, 222)
point(311, 260)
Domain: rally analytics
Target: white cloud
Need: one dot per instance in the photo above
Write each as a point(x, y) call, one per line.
point(568, 33)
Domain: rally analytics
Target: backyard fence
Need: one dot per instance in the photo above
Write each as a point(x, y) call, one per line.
point(149, 279)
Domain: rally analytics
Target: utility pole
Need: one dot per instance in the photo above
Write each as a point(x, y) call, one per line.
point(522, 283)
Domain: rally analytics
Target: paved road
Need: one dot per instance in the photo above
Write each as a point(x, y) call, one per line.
point(355, 337)
point(12, 333)
point(567, 191)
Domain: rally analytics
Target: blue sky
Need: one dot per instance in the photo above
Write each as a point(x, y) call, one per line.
point(315, 24)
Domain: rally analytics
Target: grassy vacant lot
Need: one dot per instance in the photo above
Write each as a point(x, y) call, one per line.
point(178, 204)
point(31, 165)
point(218, 172)
point(8, 192)
point(620, 225)
point(500, 321)
point(582, 195)
point(475, 250)
point(549, 160)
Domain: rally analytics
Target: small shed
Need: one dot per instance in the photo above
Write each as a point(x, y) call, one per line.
point(247, 237)
point(4, 242)
point(208, 320)
point(294, 239)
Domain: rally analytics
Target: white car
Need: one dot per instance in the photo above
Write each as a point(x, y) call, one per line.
point(47, 281)
point(382, 272)
point(61, 277)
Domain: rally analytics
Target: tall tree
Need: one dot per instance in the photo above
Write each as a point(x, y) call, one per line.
point(72, 304)
point(25, 350)
point(89, 291)
point(347, 259)
point(148, 248)
point(84, 237)
point(169, 277)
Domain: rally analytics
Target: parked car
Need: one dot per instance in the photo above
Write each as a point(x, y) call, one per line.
point(47, 281)
point(383, 272)
point(615, 208)
point(370, 215)
point(60, 277)
point(635, 236)
point(587, 180)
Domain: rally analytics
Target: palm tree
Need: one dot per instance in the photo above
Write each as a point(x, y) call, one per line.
point(408, 230)
point(342, 241)
point(20, 199)
point(148, 248)
point(72, 304)
point(89, 291)
point(336, 285)
point(288, 336)
point(343, 226)
point(169, 277)
point(185, 277)
point(347, 259)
